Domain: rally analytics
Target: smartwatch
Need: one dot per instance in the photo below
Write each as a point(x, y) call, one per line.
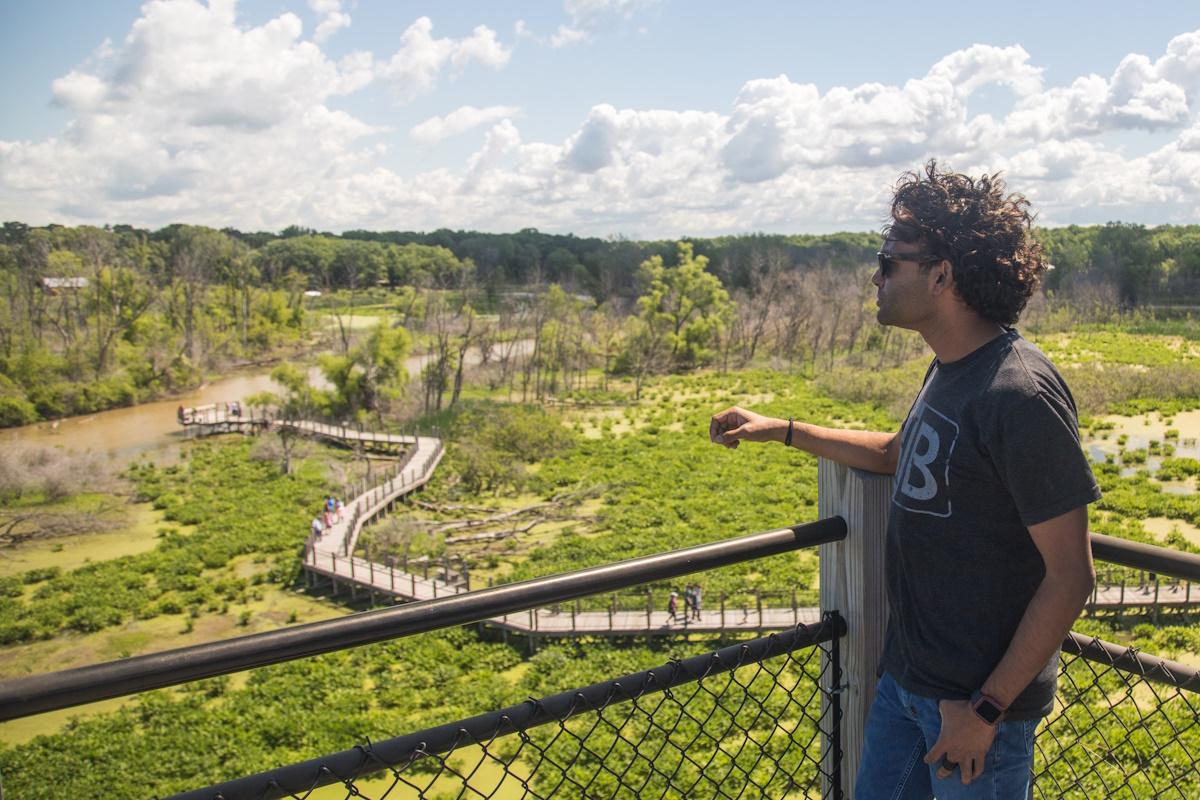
point(988, 709)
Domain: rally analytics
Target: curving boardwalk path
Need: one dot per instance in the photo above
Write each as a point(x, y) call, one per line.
point(330, 556)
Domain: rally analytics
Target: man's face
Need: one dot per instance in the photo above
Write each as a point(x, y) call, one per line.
point(902, 282)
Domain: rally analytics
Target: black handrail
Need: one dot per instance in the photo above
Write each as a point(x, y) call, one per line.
point(1162, 560)
point(299, 779)
point(1128, 659)
point(36, 694)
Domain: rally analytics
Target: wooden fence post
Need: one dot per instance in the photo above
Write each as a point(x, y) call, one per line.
point(852, 583)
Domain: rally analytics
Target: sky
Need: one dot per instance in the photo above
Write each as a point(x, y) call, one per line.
point(635, 118)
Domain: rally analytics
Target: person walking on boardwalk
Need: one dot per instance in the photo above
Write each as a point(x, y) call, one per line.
point(327, 512)
point(696, 600)
point(317, 527)
point(672, 606)
point(987, 561)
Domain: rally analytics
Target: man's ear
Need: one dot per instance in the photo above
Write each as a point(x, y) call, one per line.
point(942, 276)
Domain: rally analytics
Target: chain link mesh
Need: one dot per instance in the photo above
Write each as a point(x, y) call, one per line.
point(747, 721)
point(757, 720)
point(1124, 726)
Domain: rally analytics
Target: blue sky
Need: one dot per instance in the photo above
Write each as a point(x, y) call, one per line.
point(644, 118)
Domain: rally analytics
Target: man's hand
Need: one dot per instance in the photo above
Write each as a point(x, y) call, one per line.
point(964, 740)
point(732, 425)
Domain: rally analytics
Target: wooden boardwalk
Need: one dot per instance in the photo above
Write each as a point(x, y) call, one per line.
point(329, 556)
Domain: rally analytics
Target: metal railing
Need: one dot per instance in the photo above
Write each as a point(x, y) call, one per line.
point(755, 719)
point(758, 719)
point(1125, 724)
point(35, 694)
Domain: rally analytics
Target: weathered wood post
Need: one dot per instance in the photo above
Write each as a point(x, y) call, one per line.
point(851, 583)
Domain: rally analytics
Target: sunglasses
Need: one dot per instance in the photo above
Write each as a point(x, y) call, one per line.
point(888, 261)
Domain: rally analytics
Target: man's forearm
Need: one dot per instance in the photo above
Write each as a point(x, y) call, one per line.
point(873, 451)
point(1047, 620)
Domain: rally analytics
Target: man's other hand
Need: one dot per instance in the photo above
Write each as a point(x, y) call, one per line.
point(964, 741)
point(731, 426)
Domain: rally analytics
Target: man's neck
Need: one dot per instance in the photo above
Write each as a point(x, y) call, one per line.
point(959, 336)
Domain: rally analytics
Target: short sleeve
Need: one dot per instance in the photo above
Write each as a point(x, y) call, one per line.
point(1040, 460)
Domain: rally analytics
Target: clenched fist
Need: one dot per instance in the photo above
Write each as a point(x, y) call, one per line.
point(731, 426)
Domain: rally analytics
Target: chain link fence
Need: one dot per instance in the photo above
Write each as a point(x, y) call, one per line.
point(758, 719)
point(1125, 726)
point(754, 719)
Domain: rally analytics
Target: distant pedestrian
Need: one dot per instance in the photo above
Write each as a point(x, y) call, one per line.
point(672, 606)
point(179, 414)
point(696, 600)
point(317, 527)
point(688, 601)
point(327, 511)
point(341, 509)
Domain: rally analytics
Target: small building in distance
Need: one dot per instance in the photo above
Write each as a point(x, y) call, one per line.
point(56, 285)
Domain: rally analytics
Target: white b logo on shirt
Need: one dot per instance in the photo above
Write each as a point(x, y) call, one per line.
point(923, 474)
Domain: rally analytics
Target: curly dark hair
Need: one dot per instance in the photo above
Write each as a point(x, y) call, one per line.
point(983, 233)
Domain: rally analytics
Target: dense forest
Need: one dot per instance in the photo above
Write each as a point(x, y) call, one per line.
point(94, 318)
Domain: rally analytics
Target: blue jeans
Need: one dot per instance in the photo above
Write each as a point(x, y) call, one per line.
point(901, 729)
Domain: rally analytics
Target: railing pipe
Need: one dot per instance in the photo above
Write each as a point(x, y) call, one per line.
point(1128, 659)
point(1161, 560)
point(22, 697)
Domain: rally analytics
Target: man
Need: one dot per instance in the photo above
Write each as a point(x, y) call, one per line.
point(987, 558)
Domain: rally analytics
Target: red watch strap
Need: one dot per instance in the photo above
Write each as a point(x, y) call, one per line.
point(993, 708)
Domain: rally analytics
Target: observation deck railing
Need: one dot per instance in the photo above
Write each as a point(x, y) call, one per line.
point(772, 717)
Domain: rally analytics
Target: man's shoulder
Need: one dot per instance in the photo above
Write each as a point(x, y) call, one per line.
point(1023, 371)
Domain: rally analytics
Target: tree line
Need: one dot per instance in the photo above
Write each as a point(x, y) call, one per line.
point(94, 318)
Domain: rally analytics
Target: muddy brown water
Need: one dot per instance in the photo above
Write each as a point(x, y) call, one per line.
point(125, 433)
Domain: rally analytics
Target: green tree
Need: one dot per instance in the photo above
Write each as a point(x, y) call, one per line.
point(299, 400)
point(685, 307)
point(371, 374)
point(1123, 250)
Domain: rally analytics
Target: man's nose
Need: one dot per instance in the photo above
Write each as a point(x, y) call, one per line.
point(877, 277)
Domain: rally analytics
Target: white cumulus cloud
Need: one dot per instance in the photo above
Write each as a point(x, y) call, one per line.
point(461, 120)
point(415, 68)
point(197, 116)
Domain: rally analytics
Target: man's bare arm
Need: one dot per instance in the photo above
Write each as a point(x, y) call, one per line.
point(1070, 578)
point(874, 451)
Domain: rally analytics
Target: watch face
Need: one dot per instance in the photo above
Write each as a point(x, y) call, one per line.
point(988, 711)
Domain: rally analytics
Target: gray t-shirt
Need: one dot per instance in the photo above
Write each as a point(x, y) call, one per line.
point(990, 447)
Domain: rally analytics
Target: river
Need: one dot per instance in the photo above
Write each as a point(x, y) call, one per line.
point(125, 433)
